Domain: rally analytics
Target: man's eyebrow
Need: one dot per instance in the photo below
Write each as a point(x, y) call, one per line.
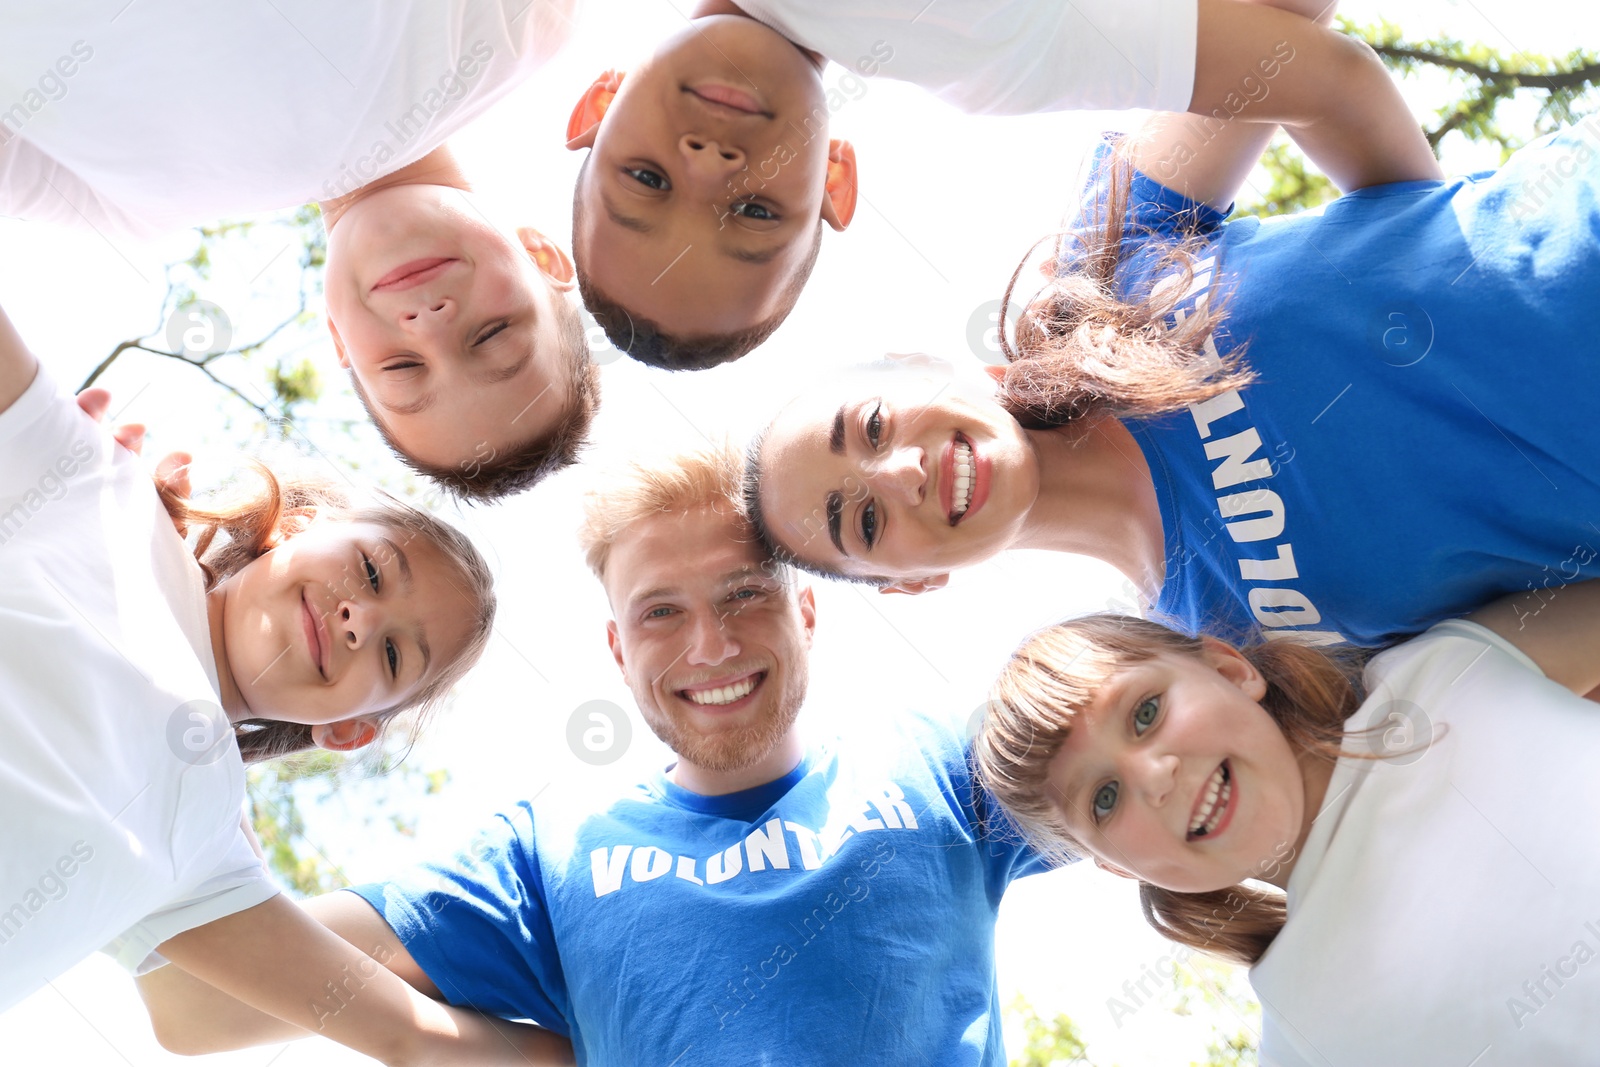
point(836, 435)
point(652, 594)
point(416, 407)
point(744, 574)
point(627, 222)
point(834, 506)
point(733, 577)
point(507, 373)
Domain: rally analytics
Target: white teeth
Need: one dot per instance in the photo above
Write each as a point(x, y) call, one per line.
point(1219, 790)
point(961, 487)
point(726, 694)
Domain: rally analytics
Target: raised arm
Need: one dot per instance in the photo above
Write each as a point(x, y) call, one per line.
point(1557, 625)
point(1207, 159)
point(1258, 65)
point(301, 978)
point(17, 365)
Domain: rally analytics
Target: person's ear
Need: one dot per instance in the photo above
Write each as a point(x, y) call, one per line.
point(591, 108)
point(913, 586)
point(839, 194)
point(550, 258)
point(614, 639)
point(808, 611)
point(346, 735)
point(338, 345)
point(1114, 869)
point(1233, 666)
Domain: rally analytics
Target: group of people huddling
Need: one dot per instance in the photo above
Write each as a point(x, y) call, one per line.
point(1346, 456)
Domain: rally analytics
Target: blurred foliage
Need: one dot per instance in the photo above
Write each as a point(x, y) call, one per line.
point(1049, 1044)
point(1294, 187)
point(1479, 78)
point(1222, 992)
point(285, 388)
point(379, 787)
point(1215, 993)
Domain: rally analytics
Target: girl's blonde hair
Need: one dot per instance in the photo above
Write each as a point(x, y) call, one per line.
point(255, 523)
point(1086, 348)
point(1057, 671)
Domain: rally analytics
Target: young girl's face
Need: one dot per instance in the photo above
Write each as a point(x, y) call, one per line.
point(341, 620)
point(1175, 774)
point(897, 473)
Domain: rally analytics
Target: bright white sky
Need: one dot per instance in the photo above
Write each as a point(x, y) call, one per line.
point(949, 205)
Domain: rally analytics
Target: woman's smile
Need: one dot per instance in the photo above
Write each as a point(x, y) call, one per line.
point(896, 477)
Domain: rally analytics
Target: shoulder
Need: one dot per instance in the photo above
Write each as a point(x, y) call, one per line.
point(1441, 654)
point(1150, 211)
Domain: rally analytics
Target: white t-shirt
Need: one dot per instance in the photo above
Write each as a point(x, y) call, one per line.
point(1446, 909)
point(1007, 57)
point(121, 786)
point(179, 112)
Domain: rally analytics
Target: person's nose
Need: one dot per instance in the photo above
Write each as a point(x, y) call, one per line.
point(1154, 775)
point(710, 640)
point(355, 621)
point(898, 475)
point(430, 315)
point(709, 164)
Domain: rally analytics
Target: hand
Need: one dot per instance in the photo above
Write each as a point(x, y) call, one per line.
point(171, 474)
point(95, 402)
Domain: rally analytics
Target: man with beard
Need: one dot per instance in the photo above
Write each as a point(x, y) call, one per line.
point(760, 900)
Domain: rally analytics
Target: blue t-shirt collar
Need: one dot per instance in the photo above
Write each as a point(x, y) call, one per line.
point(747, 804)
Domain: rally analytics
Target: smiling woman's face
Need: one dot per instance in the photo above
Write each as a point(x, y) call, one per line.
point(898, 472)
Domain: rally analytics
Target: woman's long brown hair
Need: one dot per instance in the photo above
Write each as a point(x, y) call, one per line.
point(1085, 349)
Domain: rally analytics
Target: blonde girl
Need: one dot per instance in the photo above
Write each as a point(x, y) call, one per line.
point(1405, 855)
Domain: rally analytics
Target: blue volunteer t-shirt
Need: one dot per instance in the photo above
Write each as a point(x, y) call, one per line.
point(841, 914)
point(1423, 434)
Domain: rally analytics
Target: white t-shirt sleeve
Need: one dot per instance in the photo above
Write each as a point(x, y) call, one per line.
point(35, 430)
point(1007, 58)
point(304, 100)
point(239, 881)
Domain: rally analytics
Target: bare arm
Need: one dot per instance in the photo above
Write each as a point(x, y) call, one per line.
point(304, 979)
point(191, 1017)
point(1257, 65)
point(18, 367)
point(1557, 625)
point(1207, 159)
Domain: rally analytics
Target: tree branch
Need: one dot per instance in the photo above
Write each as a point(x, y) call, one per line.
point(1568, 79)
point(105, 364)
point(196, 364)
